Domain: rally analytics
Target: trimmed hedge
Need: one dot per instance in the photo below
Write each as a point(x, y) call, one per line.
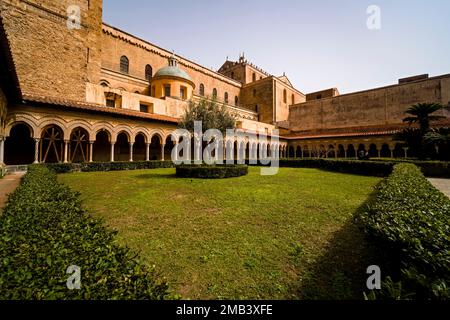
point(107, 166)
point(410, 220)
point(44, 230)
point(429, 168)
point(211, 171)
point(362, 167)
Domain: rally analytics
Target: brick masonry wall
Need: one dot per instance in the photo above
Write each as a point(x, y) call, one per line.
point(50, 59)
point(368, 108)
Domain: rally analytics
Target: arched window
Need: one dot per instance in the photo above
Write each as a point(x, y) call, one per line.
point(293, 99)
point(214, 95)
point(202, 89)
point(284, 96)
point(148, 72)
point(226, 97)
point(254, 77)
point(124, 64)
point(236, 100)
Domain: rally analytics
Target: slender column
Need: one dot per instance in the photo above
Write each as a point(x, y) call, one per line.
point(162, 151)
point(406, 151)
point(91, 150)
point(176, 150)
point(36, 150)
point(2, 150)
point(147, 151)
point(131, 151)
point(112, 151)
point(66, 150)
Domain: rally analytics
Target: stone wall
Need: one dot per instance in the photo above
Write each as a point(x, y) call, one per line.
point(258, 96)
point(381, 106)
point(39, 37)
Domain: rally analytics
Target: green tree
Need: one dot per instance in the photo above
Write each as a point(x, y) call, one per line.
point(440, 140)
point(210, 113)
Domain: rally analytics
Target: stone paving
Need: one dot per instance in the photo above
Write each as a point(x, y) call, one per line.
point(441, 184)
point(8, 184)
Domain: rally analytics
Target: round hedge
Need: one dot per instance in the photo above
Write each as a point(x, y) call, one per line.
point(211, 171)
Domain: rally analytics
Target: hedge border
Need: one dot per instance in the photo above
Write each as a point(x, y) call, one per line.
point(107, 166)
point(409, 220)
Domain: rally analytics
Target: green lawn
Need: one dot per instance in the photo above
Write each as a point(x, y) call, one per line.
point(288, 236)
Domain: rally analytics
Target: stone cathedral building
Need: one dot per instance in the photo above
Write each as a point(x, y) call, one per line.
point(96, 93)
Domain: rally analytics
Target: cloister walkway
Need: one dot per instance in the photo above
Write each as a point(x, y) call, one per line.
point(8, 184)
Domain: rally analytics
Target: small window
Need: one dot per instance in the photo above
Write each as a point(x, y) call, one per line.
point(183, 91)
point(256, 108)
point(232, 75)
point(214, 93)
point(110, 103)
point(319, 96)
point(143, 108)
point(284, 96)
point(167, 90)
point(254, 93)
point(148, 72)
point(260, 78)
point(202, 90)
point(236, 100)
point(226, 97)
point(124, 64)
point(292, 99)
point(254, 77)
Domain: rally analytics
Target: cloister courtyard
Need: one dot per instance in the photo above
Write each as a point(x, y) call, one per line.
point(286, 236)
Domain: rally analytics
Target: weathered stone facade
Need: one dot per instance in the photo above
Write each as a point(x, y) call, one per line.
point(89, 90)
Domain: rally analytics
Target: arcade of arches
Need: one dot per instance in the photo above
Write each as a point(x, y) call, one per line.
point(22, 146)
point(55, 144)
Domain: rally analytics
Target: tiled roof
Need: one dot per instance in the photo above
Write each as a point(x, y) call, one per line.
point(96, 108)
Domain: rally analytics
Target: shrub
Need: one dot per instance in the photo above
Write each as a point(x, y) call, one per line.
point(44, 230)
point(410, 220)
point(107, 166)
point(362, 167)
point(211, 172)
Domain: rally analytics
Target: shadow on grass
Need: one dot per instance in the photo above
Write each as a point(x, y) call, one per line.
point(340, 273)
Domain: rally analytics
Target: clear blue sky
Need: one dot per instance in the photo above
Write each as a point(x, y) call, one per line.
point(319, 44)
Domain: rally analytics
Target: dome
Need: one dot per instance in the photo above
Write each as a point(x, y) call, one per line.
point(172, 70)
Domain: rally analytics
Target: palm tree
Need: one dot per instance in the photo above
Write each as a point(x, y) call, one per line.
point(421, 113)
